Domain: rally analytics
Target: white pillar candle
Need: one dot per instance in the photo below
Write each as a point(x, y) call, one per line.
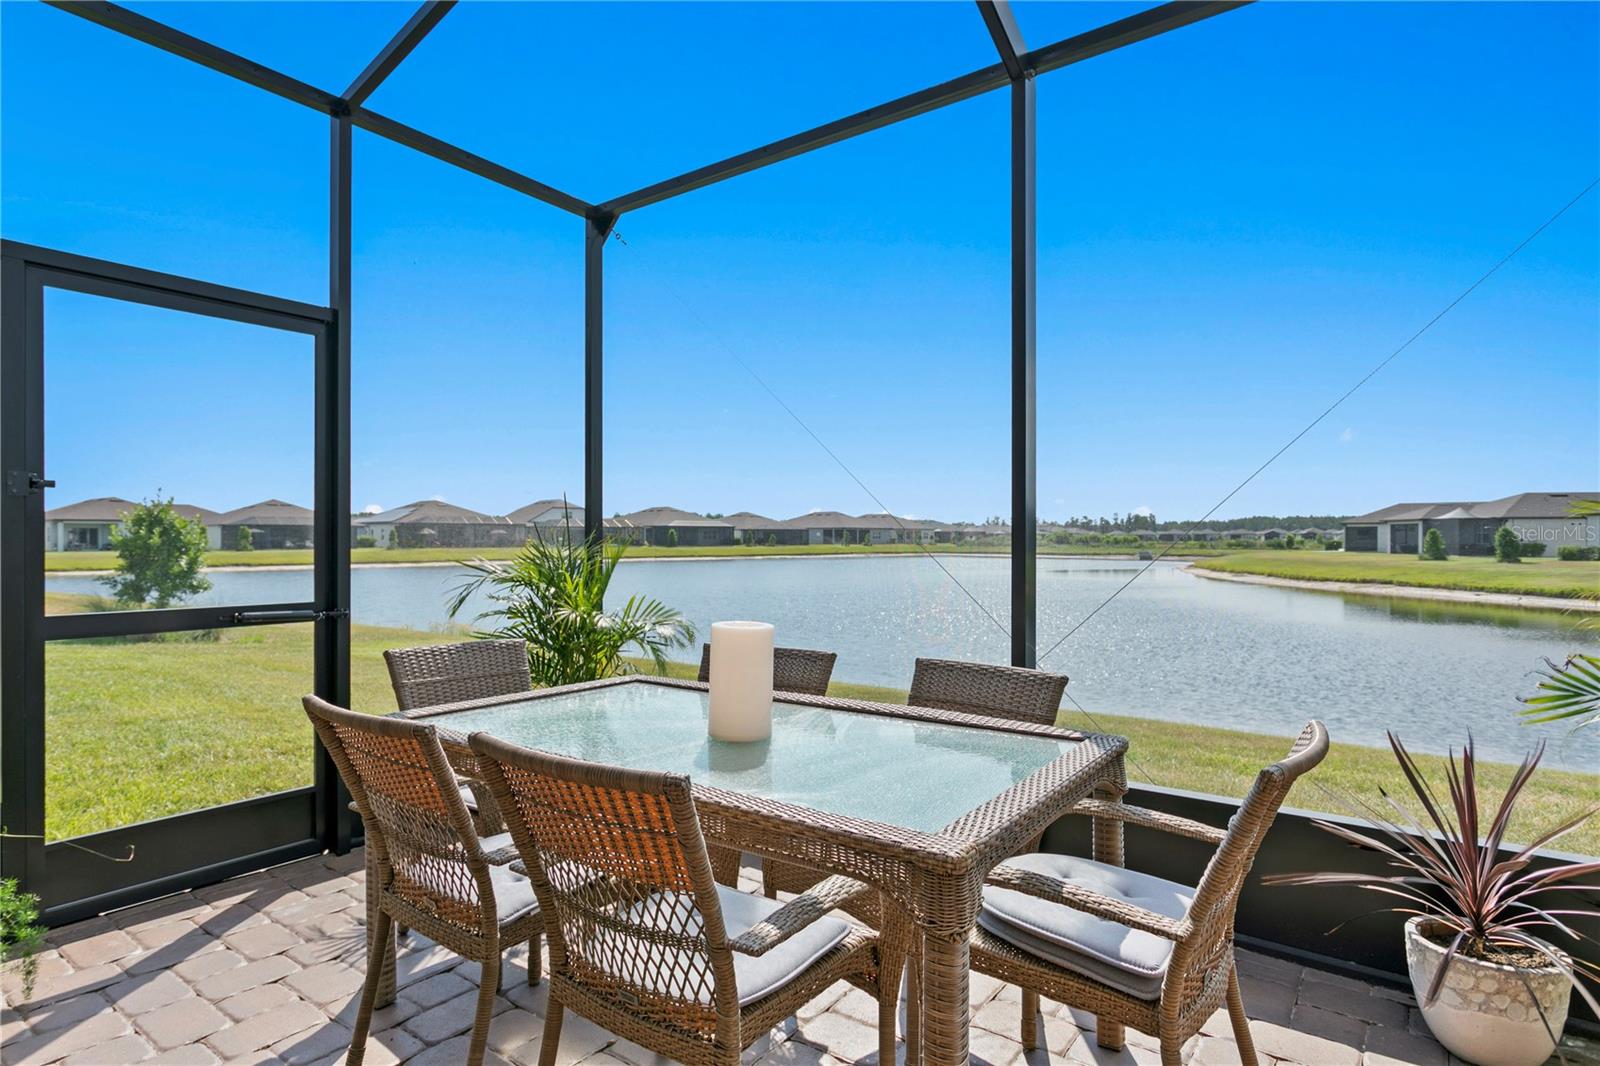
point(741, 681)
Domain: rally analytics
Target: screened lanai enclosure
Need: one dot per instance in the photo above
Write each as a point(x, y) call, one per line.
point(131, 775)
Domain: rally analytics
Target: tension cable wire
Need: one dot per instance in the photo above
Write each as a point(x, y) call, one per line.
point(1327, 411)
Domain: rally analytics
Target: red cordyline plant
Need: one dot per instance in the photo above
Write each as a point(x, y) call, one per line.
point(1451, 870)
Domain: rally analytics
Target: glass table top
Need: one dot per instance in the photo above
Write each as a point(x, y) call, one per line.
point(920, 775)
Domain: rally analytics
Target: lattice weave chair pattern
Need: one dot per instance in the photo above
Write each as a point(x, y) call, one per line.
point(449, 673)
point(638, 940)
point(1200, 975)
point(432, 873)
point(793, 669)
point(1009, 692)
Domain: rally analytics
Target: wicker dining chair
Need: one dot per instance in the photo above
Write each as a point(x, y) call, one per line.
point(447, 673)
point(793, 670)
point(428, 868)
point(643, 941)
point(985, 689)
point(1134, 949)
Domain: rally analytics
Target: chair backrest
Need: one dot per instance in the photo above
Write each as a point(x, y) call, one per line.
point(620, 868)
point(981, 688)
point(793, 669)
point(1204, 958)
point(446, 673)
point(417, 825)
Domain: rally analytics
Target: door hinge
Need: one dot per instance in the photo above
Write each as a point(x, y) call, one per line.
point(26, 483)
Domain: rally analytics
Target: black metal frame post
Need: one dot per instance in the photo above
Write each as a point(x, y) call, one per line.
point(1002, 24)
point(596, 231)
point(334, 821)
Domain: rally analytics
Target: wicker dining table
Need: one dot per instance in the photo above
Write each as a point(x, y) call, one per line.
point(919, 804)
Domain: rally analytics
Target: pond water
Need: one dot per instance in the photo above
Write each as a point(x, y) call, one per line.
point(1172, 645)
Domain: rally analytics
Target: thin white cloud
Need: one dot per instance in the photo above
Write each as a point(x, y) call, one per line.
point(1348, 435)
point(371, 508)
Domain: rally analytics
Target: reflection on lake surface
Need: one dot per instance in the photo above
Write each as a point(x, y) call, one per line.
point(1172, 646)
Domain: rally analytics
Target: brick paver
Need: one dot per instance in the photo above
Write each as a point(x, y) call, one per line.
point(267, 968)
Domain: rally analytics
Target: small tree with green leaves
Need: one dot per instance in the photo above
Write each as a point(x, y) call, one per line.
point(1507, 548)
point(672, 538)
point(159, 556)
point(1433, 546)
point(246, 540)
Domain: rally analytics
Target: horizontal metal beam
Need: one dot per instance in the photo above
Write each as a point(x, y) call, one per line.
point(1002, 24)
point(166, 38)
point(171, 620)
point(395, 52)
point(206, 54)
point(917, 103)
point(400, 133)
point(1123, 32)
point(1063, 53)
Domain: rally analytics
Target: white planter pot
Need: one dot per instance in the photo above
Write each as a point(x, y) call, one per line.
point(1483, 1013)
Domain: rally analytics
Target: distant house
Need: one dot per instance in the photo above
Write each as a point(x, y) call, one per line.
point(1272, 534)
point(436, 524)
point(752, 528)
point(670, 526)
point(547, 519)
point(272, 524)
point(834, 527)
point(1308, 533)
point(1469, 528)
point(87, 525)
point(1240, 534)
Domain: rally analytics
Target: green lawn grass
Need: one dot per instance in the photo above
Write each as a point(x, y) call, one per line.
point(1531, 577)
point(137, 730)
point(69, 562)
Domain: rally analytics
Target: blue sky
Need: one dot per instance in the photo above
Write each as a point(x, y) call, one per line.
point(1236, 222)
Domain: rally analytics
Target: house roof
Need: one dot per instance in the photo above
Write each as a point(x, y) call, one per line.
point(667, 516)
point(528, 512)
point(750, 520)
point(431, 512)
point(1521, 505)
point(267, 513)
point(112, 508)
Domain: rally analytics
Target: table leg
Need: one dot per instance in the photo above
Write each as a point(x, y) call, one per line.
point(385, 961)
point(946, 1011)
point(1107, 833)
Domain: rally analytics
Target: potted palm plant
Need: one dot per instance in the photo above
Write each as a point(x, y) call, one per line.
point(552, 595)
point(1492, 989)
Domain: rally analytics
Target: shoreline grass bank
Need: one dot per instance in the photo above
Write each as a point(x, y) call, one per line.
point(138, 730)
point(1531, 577)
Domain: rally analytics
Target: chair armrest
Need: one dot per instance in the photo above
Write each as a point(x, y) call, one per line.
point(789, 919)
point(505, 856)
point(1167, 823)
point(1055, 890)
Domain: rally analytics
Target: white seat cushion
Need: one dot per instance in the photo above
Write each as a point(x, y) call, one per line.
point(513, 894)
point(757, 976)
point(1128, 960)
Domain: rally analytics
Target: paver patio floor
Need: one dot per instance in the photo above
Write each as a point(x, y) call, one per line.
point(267, 968)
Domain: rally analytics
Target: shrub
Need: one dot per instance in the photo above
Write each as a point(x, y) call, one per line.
point(1289, 540)
point(672, 538)
point(1507, 548)
point(159, 555)
point(1530, 549)
point(245, 540)
point(1433, 546)
point(1332, 545)
point(1574, 553)
point(20, 935)
point(367, 542)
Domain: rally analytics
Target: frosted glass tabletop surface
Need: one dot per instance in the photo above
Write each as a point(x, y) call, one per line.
point(920, 775)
